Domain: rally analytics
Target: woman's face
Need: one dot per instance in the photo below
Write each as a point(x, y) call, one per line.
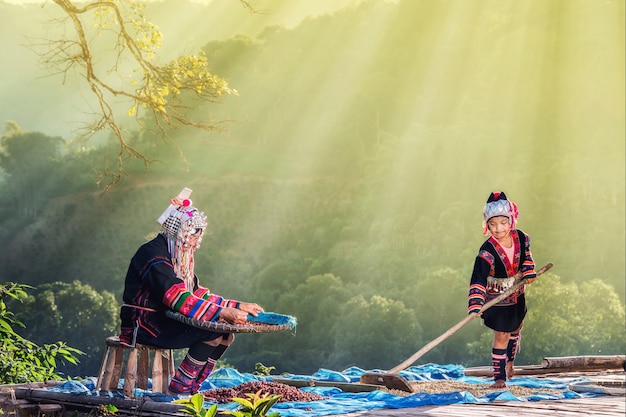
point(499, 226)
point(194, 239)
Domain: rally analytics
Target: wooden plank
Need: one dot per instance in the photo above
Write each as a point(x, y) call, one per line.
point(139, 406)
point(563, 364)
point(487, 371)
point(49, 408)
point(7, 388)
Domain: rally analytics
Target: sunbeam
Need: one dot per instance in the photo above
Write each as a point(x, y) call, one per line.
point(348, 183)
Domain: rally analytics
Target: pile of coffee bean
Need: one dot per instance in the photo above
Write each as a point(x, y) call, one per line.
point(287, 393)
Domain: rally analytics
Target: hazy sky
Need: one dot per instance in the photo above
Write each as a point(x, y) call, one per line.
point(43, 1)
point(26, 78)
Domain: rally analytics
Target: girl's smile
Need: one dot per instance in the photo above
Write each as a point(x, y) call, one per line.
point(500, 227)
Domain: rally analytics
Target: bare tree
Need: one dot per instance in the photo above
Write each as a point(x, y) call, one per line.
point(152, 90)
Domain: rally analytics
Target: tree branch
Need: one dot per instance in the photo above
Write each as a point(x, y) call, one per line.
point(156, 90)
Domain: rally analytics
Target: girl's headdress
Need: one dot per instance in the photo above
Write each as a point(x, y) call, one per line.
point(498, 205)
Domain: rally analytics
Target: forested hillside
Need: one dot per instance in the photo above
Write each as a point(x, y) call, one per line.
point(349, 187)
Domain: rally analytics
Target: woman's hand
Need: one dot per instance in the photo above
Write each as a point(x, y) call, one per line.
point(233, 315)
point(251, 308)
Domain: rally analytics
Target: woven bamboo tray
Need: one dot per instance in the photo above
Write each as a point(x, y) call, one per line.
point(224, 327)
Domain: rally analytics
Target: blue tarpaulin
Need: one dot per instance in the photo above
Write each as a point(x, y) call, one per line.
point(340, 402)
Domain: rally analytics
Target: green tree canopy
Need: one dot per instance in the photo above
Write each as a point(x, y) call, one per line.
point(75, 313)
point(30, 161)
point(381, 330)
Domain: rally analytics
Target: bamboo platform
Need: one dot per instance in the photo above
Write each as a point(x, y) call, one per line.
point(605, 406)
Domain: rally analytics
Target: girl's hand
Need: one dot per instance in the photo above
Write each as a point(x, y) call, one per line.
point(251, 308)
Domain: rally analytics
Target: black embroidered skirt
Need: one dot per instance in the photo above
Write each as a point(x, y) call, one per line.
point(506, 318)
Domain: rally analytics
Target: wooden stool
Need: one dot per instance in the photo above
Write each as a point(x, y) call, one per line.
point(113, 362)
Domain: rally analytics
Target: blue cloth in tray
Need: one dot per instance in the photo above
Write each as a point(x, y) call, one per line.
point(273, 319)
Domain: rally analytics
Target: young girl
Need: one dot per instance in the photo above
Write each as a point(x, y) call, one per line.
point(506, 252)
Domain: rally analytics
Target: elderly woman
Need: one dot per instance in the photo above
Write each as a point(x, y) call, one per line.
point(161, 277)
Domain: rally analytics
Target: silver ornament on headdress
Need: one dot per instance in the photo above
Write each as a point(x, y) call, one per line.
point(180, 219)
point(184, 221)
point(497, 208)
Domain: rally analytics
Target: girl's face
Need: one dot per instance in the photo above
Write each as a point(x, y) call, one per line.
point(499, 227)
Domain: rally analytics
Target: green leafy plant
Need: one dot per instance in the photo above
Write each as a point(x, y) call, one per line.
point(262, 370)
point(106, 410)
point(257, 405)
point(194, 406)
point(20, 359)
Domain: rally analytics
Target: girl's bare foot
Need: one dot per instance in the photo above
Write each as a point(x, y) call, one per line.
point(510, 370)
point(499, 384)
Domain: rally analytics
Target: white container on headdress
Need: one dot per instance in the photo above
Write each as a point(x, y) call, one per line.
point(183, 195)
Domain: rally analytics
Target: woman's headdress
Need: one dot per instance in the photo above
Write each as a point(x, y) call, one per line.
point(180, 221)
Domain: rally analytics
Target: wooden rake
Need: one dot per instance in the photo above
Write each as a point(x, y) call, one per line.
point(392, 380)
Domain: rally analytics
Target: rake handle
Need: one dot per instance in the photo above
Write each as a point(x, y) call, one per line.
point(518, 283)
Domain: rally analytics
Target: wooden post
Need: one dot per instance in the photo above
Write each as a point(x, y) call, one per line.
point(117, 367)
point(107, 375)
point(144, 367)
point(103, 367)
point(130, 378)
point(157, 371)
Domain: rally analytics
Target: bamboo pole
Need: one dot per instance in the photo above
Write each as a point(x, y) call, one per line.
point(344, 386)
